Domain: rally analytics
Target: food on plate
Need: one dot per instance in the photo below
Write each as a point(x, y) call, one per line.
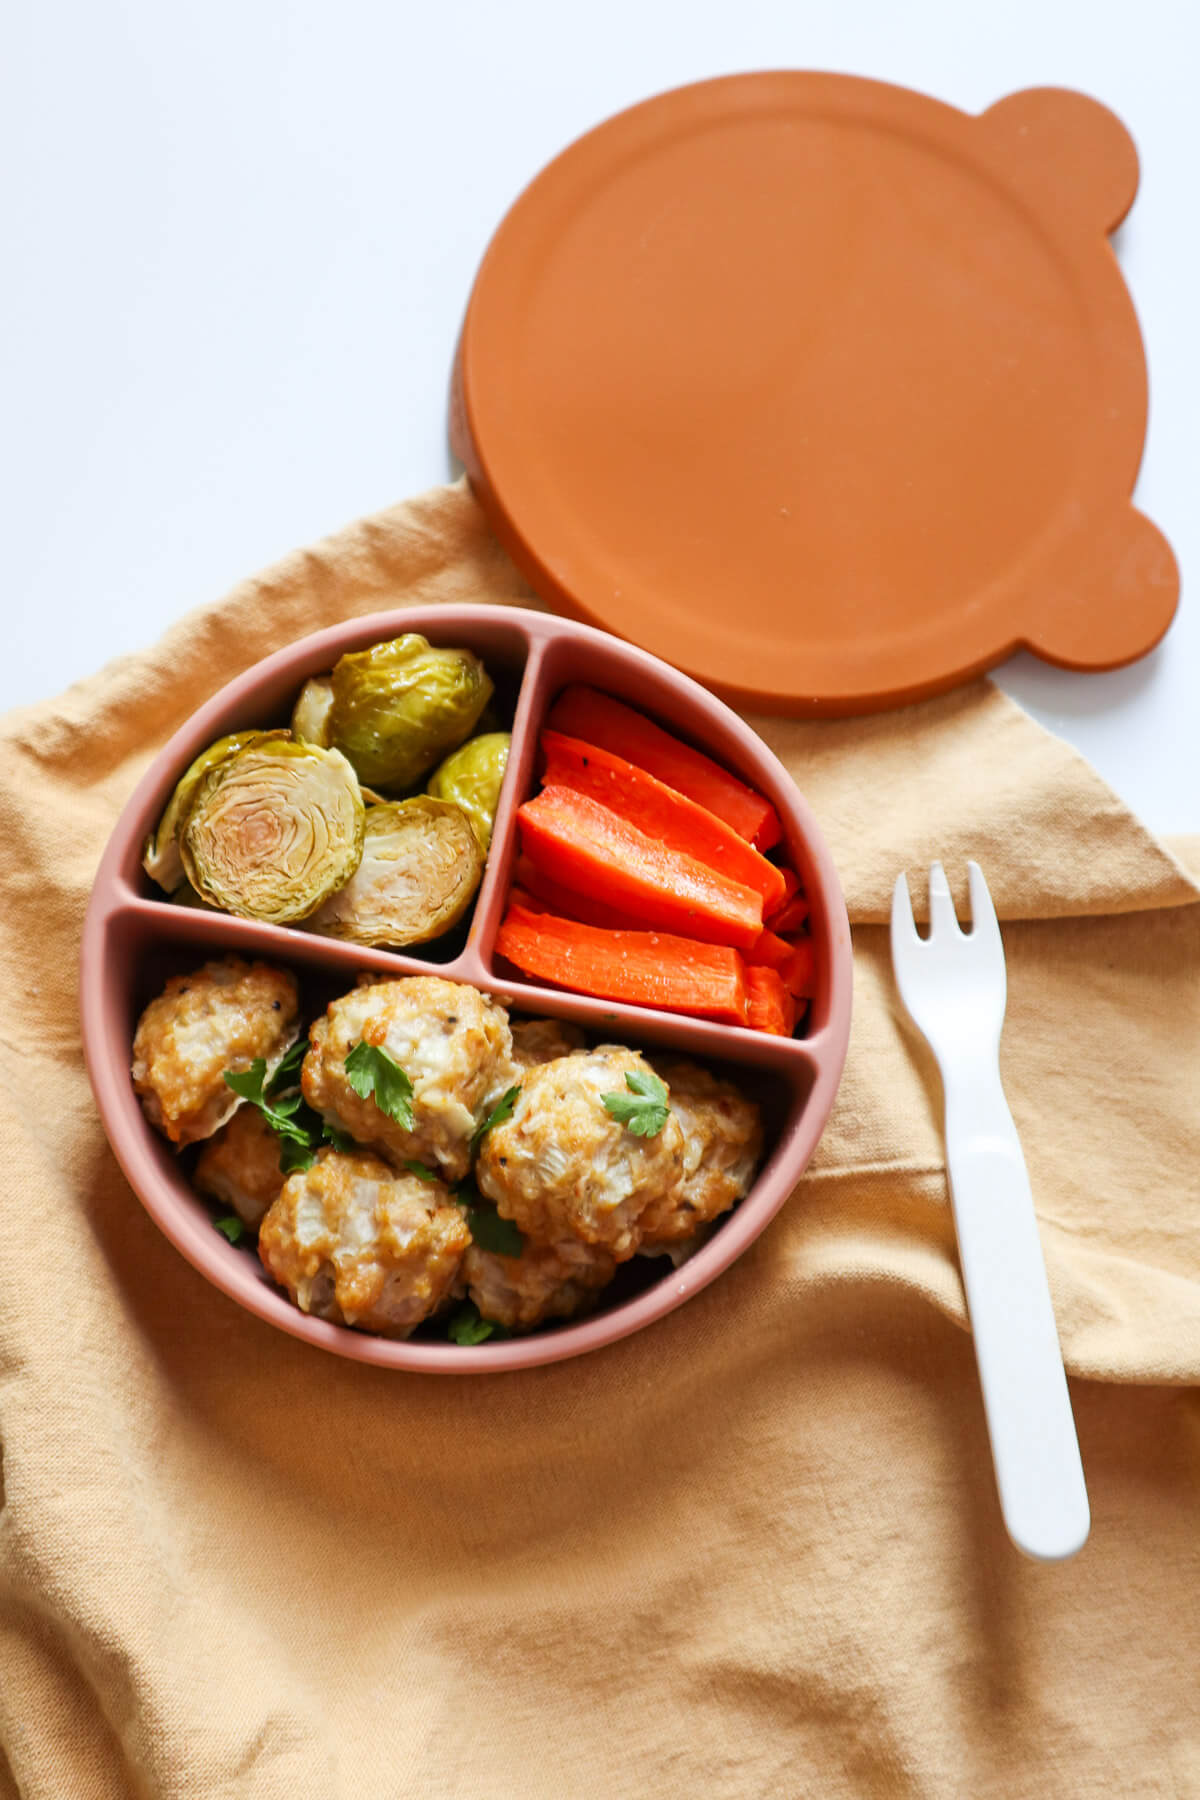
point(240, 1166)
point(472, 777)
point(310, 715)
point(273, 830)
point(160, 858)
point(639, 968)
point(452, 1048)
point(417, 1149)
point(587, 848)
point(224, 1016)
point(537, 1041)
point(398, 707)
point(564, 1166)
point(722, 1144)
point(360, 1243)
point(595, 718)
point(547, 1281)
point(421, 864)
point(670, 818)
point(769, 1006)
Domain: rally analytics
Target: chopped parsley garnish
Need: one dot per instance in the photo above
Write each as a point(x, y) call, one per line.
point(374, 1075)
point(231, 1228)
point(502, 1110)
point(421, 1170)
point(643, 1110)
point(467, 1326)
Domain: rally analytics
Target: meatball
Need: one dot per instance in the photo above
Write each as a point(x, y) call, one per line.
point(722, 1142)
point(549, 1281)
point(562, 1167)
point(355, 1242)
point(240, 1166)
point(223, 1016)
point(452, 1042)
point(543, 1040)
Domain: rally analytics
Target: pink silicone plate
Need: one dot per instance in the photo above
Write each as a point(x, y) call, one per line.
point(133, 939)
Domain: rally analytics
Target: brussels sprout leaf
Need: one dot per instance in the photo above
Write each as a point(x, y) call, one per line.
point(502, 1110)
point(644, 1108)
point(374, 1075)
point(232, 1228)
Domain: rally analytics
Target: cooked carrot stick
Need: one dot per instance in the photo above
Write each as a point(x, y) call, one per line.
point(555, 898)
point(638, 968)
point(771, 952)
point(669, 817)
point(590, 850)
point(799, 972)
point(790, 917)
point(769, 1006)
point(595, 718)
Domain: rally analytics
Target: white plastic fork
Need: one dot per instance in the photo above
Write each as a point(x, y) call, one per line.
point(955, 987)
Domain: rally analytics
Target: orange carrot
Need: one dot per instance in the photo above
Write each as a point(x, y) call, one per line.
point(790, 916)
point(771, 951)
point(590, 850)
point(595, 718)
point(799, 973)
point(671, 818)
point(769, 1006)
point(637, 968)
point(553, 897)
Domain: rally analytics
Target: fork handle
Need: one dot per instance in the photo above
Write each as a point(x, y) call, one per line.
point(1043, 1496)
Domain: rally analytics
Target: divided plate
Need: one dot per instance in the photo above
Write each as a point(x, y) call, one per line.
point(826, 391)
point(133, 939)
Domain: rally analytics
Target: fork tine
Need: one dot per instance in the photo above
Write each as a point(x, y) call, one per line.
point(984, 924)
point(942, 916)
point(904, 929)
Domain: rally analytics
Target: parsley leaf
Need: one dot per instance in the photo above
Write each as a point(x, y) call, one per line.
point(232, 1228)
point(295, 1156)
point(421, 1170)
point(341, 1140)
point(249, 1084)
point(467, 1326)
point(644, 1108)
point(288, 1071)
point(502, 1110)
point(493, 1233)
point(374, 1075)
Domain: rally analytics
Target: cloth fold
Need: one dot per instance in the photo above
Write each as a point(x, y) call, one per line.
point(752, 1551)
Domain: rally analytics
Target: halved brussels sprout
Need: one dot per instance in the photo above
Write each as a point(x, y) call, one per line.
point(310, 715)
point(274, 830)
point(160, 856)
point(400, 706)
point(420, 868)
point(472, 776)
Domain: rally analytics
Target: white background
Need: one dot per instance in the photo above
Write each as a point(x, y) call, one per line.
point(237, 239)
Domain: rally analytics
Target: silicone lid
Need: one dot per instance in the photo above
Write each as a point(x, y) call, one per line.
point(823, 391)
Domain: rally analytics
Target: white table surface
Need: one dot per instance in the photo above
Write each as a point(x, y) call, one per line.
point(238, 238)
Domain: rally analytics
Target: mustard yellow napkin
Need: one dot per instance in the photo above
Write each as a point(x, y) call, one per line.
point(754, 1550)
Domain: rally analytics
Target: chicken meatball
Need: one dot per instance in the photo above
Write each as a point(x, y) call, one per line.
point(357, 1243)
point(549, 1281)
point(542, 1040)
point(223, 1016)
point(562, 1167)
point(240, 1166)
point(722, 1142)
point(452, 1042)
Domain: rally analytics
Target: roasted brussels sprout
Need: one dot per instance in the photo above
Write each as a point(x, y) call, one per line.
point(310, 715)
point(160, 857)
point(420, 867)
point(471, 776)
point(274, 830)
point(400, 706)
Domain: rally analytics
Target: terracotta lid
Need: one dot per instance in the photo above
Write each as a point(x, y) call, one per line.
point(827, 393)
